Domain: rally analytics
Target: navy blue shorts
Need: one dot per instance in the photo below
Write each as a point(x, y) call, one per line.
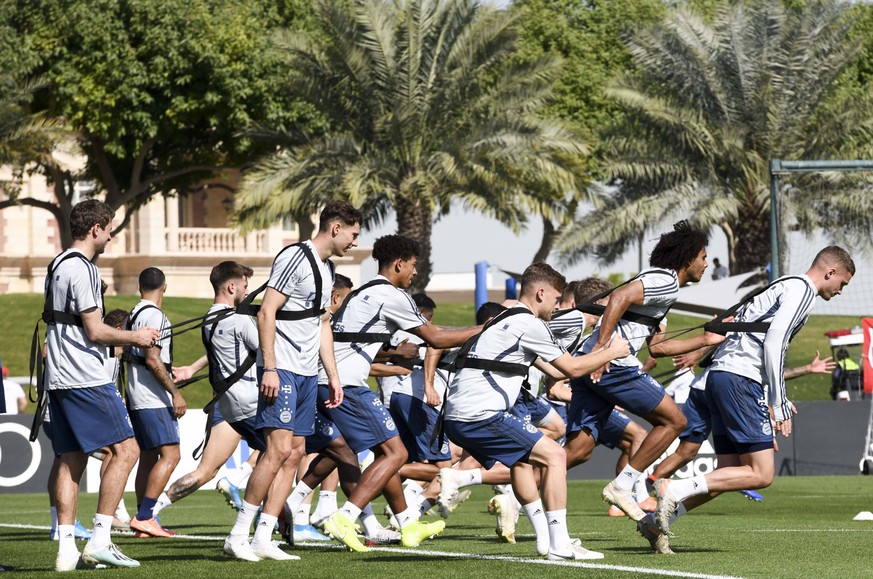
point(503, 438)
point(87, 419)
point(217, 418)
point(325, 433)
point(362, 418)
point(416, 422)
point(531, 408)
point(740, 420)
point(294, 408)
point(253, 436)
point(696, 411)
point(612, 431)
point(154, 427)
point(624, 386)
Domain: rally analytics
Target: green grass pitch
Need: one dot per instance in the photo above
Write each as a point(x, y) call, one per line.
point(803, 528)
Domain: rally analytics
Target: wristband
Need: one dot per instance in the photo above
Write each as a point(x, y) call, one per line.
point(270, 370)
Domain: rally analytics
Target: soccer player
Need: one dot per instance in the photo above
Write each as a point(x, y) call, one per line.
point(231, 342)
point(369, 317)
point(155, 404)
point(617, 430)
point(747, 370)
point(696, 411)
point(486, 386)
point(87, 410)
point(293, 332)
point(636, 310)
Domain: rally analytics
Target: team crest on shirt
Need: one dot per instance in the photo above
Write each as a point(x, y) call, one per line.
point(389, 424)
point(285, 416)
point(767, 428)
point(530, 428)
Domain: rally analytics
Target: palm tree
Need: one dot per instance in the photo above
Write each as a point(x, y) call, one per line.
point(711, 104)
point(424, 105)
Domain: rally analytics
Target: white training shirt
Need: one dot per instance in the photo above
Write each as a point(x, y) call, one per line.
point(567, 329)
point(761, 357)
point(380, 309)
point(297, 341)
point(143, 389)
point(476, 395)
point(403, 384)
point(73, 360)
point(232, 337)
point(661, 290)
point(442, 376)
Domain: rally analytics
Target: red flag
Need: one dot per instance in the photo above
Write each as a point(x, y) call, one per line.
point(867, 324)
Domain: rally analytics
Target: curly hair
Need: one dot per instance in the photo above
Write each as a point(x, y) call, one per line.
point(390, 247)
point(116, 318)
point(679, 248)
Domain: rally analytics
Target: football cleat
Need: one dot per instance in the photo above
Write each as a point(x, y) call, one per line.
point(230, 493)
point(238, 546)
point(623, 499)
point(110, 555)
point(414, 533)
point(342, 528)
point(648, 528)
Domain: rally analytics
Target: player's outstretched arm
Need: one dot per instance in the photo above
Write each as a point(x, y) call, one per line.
point(445, 337)
point(102, 333)
point(576, 366)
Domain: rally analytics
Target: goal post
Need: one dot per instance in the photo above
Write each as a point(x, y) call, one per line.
point(778, 168)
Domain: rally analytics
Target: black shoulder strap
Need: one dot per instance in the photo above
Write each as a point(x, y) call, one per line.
point(590, 307)
point(359, 337)
point(316, 311)
point(220, 384)
point(129, 356)
point(49, 314)
point(718, 326)
point(463, 359)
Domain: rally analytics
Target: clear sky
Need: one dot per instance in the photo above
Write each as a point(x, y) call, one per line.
point(462, 239)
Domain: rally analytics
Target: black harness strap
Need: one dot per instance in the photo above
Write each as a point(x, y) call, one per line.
point(462, 360)
point(129, 356)
point(718, 326)
point(316, 311)
point(220, 384)
point(359, 337)
point(590, 307)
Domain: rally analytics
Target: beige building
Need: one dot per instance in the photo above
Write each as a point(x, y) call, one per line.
point(183, 236)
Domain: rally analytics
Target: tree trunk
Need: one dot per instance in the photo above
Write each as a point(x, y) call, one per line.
point(415, 220)
point(751, 246)
point(550, 235)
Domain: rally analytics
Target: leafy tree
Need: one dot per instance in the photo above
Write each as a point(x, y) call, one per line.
point(587, 35)
point(158, 91)
point(424, 106)
point(711, 104)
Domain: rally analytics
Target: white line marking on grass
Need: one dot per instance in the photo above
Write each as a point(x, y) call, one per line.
point(640, 570)
point(810, 530)
point(454, 555)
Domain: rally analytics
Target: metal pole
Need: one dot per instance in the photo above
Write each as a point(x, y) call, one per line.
point(775, 269)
